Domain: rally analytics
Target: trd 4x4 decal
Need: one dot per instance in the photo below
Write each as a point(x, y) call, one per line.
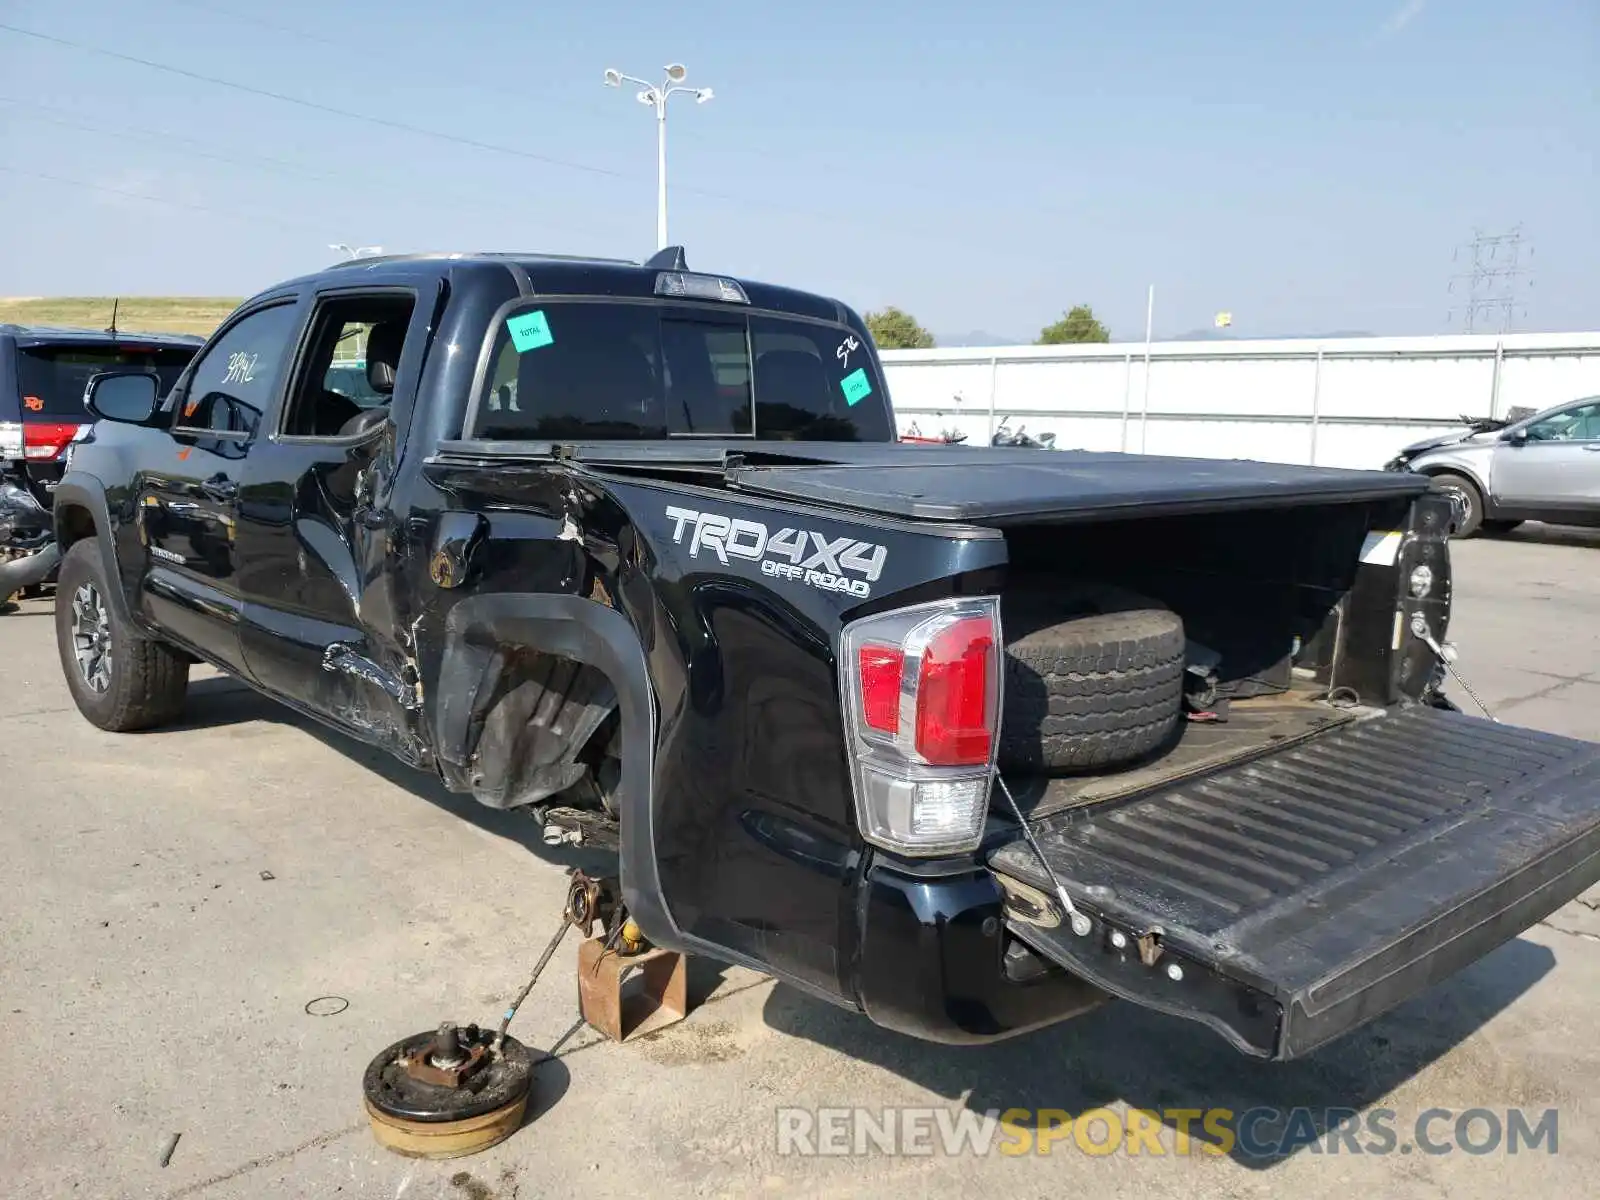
point(803, 555)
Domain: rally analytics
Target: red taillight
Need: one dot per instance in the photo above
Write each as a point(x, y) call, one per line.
point(44, 440)
point(953, 695)
point(921, 692)
point(881, 668)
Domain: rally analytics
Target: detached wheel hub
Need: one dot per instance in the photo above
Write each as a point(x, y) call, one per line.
point(447, 1092)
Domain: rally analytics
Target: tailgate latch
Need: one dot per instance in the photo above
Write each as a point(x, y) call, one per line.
point(1150, 947)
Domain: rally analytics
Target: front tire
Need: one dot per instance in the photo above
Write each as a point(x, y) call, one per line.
point(1471, 500)
point(119, 679)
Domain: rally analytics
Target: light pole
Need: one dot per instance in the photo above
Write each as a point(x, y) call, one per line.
point(656, 96)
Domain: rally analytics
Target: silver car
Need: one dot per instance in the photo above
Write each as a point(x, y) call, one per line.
point(1542, 468)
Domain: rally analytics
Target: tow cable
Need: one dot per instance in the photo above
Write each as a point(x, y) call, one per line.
point(455, 1090)
point(1419, 630)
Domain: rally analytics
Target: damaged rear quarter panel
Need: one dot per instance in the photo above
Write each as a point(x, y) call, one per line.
point(749, 808)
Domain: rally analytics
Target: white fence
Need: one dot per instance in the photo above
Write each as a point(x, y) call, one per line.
point(1349, 402)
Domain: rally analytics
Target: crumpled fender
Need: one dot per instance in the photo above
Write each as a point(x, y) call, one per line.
point(588, 632)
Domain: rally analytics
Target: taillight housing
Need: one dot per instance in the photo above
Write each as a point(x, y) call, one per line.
point(921, 690)
point(46, 441)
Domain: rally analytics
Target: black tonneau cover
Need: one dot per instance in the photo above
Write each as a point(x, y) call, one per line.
point(986, 485)
point(1001, 486)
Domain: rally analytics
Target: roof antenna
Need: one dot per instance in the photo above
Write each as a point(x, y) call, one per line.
point(112, 328)
point(668, 258)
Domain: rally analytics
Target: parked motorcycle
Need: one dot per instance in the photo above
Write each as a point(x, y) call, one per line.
point(29, 555)
point(947, 437)
point(1006, 436)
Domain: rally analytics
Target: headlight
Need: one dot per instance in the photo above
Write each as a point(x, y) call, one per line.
point(1421, 581)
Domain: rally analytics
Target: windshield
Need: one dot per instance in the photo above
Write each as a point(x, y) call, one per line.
point(603, 370)
point(51, 379)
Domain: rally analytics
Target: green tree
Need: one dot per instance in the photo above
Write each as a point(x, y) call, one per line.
point(893, 329)
point(1078, 325)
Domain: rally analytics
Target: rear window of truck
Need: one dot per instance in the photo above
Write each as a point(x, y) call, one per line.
point(51, 379)
point(596, 370)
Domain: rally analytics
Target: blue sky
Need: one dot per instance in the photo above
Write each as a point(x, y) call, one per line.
point(1309, 167)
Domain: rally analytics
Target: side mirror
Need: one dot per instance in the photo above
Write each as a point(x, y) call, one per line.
point(1517, 437)
point(126, 396)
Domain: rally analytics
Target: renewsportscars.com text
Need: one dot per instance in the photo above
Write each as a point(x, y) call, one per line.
point(1251, 1133)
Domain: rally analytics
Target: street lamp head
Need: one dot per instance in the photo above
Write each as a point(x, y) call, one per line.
point(676, 72)
point(613, 78)
point(704, 94)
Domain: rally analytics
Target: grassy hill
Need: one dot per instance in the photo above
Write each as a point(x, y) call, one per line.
point(135, 314)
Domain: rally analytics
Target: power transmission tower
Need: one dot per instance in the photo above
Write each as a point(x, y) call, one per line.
point(1490, 289)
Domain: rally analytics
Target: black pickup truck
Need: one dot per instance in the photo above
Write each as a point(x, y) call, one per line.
point(965, 739)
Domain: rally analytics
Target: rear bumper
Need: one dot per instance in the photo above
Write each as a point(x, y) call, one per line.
point(933, 961)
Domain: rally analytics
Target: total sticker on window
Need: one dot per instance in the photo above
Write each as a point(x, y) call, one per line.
point(856, 386)
point(530, 331)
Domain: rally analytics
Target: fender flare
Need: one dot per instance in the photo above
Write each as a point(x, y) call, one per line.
point(80, 490)
point(591, 633)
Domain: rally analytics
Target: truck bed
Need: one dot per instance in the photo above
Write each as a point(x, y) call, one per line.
point(1254, 727)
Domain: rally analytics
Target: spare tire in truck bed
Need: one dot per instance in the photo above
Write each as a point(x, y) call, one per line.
point(1094, 678)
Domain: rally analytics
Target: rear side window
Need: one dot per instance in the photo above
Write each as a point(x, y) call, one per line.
point(51, 379)
point(599, 370)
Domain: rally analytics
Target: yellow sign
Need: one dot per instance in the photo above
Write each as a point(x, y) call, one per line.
point(1224, 319)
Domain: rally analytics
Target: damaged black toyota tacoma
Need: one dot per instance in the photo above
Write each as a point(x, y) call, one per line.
point(964, 739)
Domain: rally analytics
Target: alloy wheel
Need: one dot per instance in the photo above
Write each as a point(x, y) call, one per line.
point(91, 637)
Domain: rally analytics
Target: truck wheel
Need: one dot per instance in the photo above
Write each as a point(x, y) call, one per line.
point(119, 679)
point(1094, 677)
point(1467, 496)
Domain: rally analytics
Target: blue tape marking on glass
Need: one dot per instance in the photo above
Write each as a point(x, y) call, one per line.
point(856, 386)
point(530, 331)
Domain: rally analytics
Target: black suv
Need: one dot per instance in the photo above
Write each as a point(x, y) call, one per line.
point(43, 371)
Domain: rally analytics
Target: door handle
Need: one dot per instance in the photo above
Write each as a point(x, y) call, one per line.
point(220, 488)
point(1592, 447)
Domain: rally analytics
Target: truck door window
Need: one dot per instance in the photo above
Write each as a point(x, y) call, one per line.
point(233, 381)
point(603, 370)
point(349, 367)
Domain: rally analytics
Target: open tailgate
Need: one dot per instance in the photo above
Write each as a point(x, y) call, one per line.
point(1286, 900)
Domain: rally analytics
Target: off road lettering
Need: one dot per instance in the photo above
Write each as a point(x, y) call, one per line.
point(805, 556)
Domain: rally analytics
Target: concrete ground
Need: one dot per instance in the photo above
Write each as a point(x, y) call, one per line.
point(174, 901)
